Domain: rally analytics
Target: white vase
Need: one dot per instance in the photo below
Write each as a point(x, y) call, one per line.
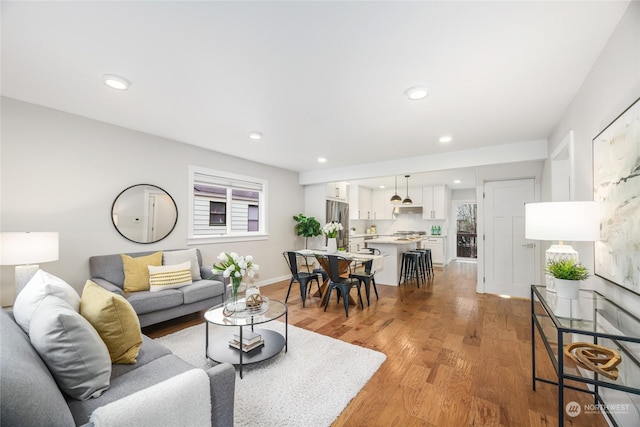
point(332, 245)
point(567, 288)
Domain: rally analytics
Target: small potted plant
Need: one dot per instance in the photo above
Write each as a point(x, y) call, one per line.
point(567, 274)
point(307, 226)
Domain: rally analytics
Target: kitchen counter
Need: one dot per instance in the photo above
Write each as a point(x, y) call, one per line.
point(393, 248)
point(390, 240)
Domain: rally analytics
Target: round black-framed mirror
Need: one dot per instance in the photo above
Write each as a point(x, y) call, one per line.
point(144, 213)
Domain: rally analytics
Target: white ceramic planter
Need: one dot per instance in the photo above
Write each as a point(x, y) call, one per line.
point(332, 245)
point(567, 288)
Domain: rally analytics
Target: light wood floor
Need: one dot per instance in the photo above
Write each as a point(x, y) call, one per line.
point(454, 357)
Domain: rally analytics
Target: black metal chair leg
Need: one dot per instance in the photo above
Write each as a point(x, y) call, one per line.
point(328, 298)
point(290, 283)
point(373, 281)
point(303, 291)
point(345, 299)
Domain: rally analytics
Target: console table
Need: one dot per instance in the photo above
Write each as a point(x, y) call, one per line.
point(592, 318)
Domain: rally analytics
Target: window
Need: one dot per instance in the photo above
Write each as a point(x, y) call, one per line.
point(225, 206)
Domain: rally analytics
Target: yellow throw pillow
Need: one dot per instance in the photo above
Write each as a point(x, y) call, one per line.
point(115, 320)
point(136, 271)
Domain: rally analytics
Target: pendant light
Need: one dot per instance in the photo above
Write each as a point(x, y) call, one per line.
point(395, 198)
point(407, 200)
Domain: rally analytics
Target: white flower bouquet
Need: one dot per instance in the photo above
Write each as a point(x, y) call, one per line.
point(331, 229)
point(236, 267)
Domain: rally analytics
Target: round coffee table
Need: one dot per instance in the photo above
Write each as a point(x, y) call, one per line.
point(220, 350)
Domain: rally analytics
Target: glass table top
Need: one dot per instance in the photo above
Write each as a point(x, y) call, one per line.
point(219, 316)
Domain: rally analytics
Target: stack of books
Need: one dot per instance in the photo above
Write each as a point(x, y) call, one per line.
point(250, 341)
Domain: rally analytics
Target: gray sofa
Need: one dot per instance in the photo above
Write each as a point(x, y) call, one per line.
point(30, 397)
point(154, 307)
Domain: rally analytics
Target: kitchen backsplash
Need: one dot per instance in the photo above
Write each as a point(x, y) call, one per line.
point(402, 223)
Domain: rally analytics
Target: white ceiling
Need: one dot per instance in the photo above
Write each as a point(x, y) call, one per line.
point(316, 78)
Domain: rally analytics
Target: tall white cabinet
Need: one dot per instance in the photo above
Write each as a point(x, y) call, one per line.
point(381, 204)
point(434, 202)
point(359, 203)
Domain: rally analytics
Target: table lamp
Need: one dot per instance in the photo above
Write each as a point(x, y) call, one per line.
point(562, 221)
point(24, 249)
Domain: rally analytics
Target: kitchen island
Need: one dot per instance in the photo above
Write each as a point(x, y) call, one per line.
point(393, 247)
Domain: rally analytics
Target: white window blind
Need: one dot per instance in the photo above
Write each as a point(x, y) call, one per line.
point(221, 205)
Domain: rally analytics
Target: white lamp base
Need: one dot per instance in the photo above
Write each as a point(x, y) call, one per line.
point(24, 273)
point(557, 253)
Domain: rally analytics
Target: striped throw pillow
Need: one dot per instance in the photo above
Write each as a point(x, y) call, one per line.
point(169, 276)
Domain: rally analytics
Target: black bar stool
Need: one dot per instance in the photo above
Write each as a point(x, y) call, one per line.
point(410, 267)
point(427, 262)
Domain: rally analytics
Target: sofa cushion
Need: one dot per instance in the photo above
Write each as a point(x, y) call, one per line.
point(202, 289)
point(177, 257)
point(158, 370)
point(146, 301)
point(23, 371)
point(71, 348)
point(149, 351)
point(115, 320)
point(136, 271)
point(169, 276)
point(41, 285)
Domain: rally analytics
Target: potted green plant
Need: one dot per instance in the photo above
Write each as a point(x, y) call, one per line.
point(567, 274)
point(307, 226)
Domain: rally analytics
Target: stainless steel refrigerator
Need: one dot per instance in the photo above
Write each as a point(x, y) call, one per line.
point(339, 212)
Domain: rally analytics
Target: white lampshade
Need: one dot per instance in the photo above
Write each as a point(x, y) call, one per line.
point(17, 248)
point(568, 221)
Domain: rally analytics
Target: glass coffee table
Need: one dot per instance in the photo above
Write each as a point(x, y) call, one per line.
point(219, 348)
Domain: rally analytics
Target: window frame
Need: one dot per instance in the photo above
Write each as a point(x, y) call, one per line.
point(224, 177)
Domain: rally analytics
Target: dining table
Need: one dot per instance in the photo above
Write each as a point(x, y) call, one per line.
point(349, 257)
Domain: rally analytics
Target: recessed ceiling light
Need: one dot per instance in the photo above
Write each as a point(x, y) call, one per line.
point(382, 186)
point(456, 181)
point(322, 159)
point(116, 82)
point(445, 138)
point(256, 136)
point(416, 93)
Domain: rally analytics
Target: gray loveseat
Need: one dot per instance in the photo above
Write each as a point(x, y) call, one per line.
point(30, 397)
point(154, 307)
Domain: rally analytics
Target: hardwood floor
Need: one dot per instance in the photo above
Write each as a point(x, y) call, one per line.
point(454, 357)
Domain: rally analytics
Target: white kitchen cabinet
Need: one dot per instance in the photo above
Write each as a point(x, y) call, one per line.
point(364, 199)
point(354, 201)
point(381, 204)
point(438, 246)
point(359, 202)
point(434, 202)
point(337, 191)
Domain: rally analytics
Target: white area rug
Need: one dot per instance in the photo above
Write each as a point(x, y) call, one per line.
point(310, 385)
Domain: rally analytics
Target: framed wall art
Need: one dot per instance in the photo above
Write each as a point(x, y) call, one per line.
point(616, 186)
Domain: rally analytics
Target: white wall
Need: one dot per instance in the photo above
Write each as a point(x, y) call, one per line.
point(61, 172)
point(612, 85)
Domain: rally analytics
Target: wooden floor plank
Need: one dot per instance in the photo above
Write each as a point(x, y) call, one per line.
point(454, 357)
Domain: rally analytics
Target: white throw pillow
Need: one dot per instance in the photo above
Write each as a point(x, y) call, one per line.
point(169, 276)
point(41, 285)
point(71, 348)
point(178, 257)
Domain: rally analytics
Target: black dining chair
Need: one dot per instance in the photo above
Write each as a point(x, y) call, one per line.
point(367, 277)
point(305, 277)
point(340, 283)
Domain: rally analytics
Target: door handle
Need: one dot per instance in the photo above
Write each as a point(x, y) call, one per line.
point(529, 245)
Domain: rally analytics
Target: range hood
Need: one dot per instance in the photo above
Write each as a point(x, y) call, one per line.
point(403, 210)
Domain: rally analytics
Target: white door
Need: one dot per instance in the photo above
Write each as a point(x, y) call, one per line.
point(509, 266)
